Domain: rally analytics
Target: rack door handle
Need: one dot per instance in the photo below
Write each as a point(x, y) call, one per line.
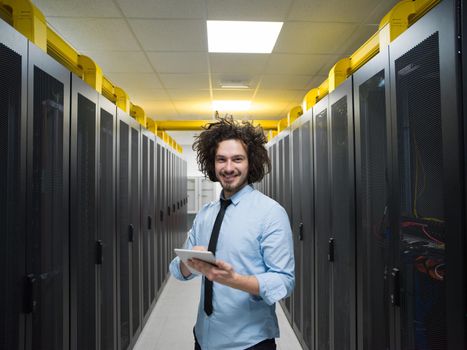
point(331, 248)
point(29, 298)
point(300, 231)
point(99, 252)
point(131, 232)
point(396, 287)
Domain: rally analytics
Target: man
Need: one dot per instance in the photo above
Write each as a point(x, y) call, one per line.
point(251, 237)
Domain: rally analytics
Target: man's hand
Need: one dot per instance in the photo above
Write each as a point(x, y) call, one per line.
point(185, 272)
point(224, 273)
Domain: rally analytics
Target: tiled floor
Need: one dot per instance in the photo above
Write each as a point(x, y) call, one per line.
point(170, 325)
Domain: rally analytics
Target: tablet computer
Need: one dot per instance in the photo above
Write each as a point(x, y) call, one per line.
point(204, 255)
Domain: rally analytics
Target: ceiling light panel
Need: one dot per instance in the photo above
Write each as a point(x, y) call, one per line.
point(242, 36)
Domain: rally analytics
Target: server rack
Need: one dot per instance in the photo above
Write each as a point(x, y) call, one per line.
point(322, 223)
point(147, 220)
point(372, 153)
point(47, 237)
point(428, 279)
point(341, 253)
point(296, 219)
point(129, 233)
point(13, 215)
point(84, 154)
point(306, 228)
point(107, 222)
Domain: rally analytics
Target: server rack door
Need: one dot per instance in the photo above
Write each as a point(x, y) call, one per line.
point(280, 168)
point(83, 221)
point(13, 92)
point(128, 228)
point(287, 184)
point(166, 212)
point(145, 220)
point(307, 228)
point(429, 224)
point(135, 209)
point(47, 258)
point(296, 232)
point(151, 224)
point(322, 223)
point(160, 213)
point(107, 229)
point(373, 255)
point(274, 174)
point(342, 254)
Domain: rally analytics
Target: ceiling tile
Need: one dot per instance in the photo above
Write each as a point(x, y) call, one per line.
point(292, 82)
point(313, 38)
point(160, 110)
point(163, 8)
point(237, 63)
point(278, 95)
point(93, 34)
point(188, 95)
point(188, 109)
point(171, 35)
point(78, 8)
point(296, 64)
point(120, 61)
point(331, 10)
point(135, 81)
point(185, 81)
point(139, 95)
point(316, 81)
point(379, 11)
point(232, 94)
point(248, 10)
point(179, 62)
point(217, 80)
point(358, 38)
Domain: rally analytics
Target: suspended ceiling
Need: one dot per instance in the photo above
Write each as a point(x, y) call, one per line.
point(156, 50)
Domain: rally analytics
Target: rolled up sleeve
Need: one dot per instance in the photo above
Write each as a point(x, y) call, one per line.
point(174, 266)
point(278, 256)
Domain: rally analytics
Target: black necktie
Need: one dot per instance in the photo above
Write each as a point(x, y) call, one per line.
point(212, 247)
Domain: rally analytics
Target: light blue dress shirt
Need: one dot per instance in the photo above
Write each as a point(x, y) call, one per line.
point(256, 239)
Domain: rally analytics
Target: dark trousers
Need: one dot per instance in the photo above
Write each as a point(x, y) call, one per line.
point(268, 344)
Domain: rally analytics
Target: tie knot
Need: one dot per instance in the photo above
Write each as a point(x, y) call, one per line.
point(225, 203)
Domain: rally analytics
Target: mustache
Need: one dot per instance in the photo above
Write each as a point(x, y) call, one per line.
point(227, 173)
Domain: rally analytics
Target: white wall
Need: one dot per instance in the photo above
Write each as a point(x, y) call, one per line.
point(192, 166)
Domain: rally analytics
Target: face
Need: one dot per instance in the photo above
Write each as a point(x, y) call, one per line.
point(231, 166)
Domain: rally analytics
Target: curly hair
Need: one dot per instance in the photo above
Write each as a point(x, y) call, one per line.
point(225, 128)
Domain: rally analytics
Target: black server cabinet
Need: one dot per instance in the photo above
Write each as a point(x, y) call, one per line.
point(285, 180)
point(295, 221)
point(107, 224)
point(429, 273)
point(373, 237)
point(341, 250)
point(128, 228)
point(306, 228)
point(47, 256)
point(322, 223)
point(13, 215)
point(147, 220)
point(83, 219)
point(274, 173)
point(165, 209)
point(159, 212)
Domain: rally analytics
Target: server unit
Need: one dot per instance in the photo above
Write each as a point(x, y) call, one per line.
point(84, 155)
point(129, 232)
point(13, 215)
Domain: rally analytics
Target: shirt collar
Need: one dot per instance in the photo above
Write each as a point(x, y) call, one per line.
point(237, 196)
